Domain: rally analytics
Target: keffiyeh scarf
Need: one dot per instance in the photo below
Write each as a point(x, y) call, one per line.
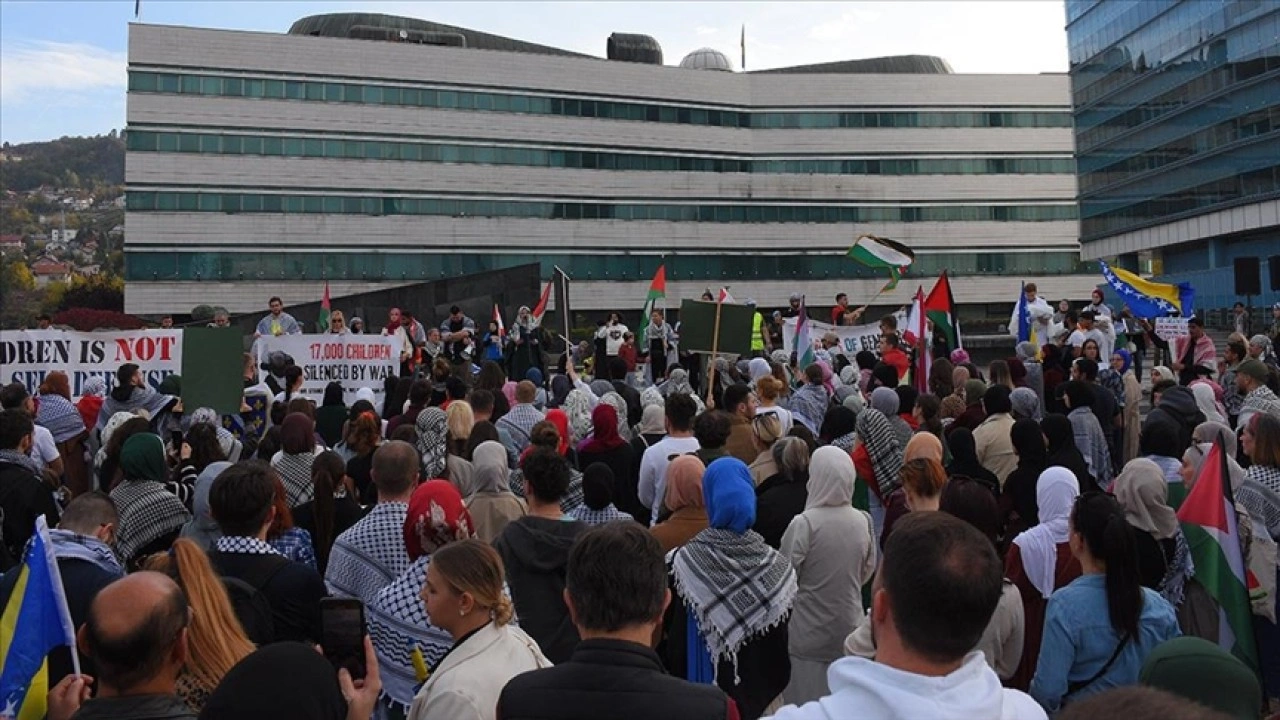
point(147, 512)
point(809, 405)
point(882, 447)
point(736, 587)
point(13, 457)
point(295, 473)
point(1261, 400)
point(398, 625)
point(142, 398)
point(608, 514)
point(433, 430)
point(67, 544)
point(59, 417)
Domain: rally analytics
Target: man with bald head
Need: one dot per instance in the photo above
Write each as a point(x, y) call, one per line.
point(136, 634)
point(370, 554)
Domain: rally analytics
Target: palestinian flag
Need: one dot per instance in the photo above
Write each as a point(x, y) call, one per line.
point(657, 291)
point(541, 308)
point(1208, 518)
point(803, 341)
point(325, 308)
point(940, 307)
point(882, 253)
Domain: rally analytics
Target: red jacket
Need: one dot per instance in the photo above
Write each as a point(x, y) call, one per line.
point(898, 360)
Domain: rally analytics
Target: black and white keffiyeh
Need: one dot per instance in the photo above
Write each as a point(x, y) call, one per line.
point(147, 512)
point(14, 457)
point(736, 586)
point(433, 434)
point(57, 415)
point(607, 514)
point(1261, 400)
point(295, 473)
point(398, 624)
point(370, 554)
point(882, 446)
point(243, 546)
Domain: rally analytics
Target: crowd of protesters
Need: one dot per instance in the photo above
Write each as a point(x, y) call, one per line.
point(632, 532)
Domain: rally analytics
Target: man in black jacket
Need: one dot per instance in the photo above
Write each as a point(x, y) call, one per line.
point(242, 503)
point(23, 495)
point(616, 593)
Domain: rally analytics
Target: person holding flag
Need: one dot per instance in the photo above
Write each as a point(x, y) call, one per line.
point(526, 338)
point(1031, 317)
point(656, 337)
point(495, 339)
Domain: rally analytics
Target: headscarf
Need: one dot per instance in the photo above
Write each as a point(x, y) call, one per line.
point(959, 356)
point(734, 585)
point(1056, 493)
point(853, 401)
point(489, 468)
point(436, 517)
point(1142, 491)
point(560, 387)
point(284, 679)
point(826, 376)
point(875, 433)
point(556, 417)
point(1127, 357)
point(809, 405)
point(684, 482)
point(534, 375)
point(203, 529)
point(839, 428)
point(849, 376)
point(831, 478)
point(601, 387)
point(651, 397)
point(1201, 671)
point(653, 420)
point(973, 391)
point(1061, 437)
point(94, 386)
point(142, 458)
point(1160, 372)
point(1207, 432)
point(1017, 371)
point(677, 382)
point(620, 406)
point(1026, 350)
point(923, 445)
point(57, 415)
point(758, 368)
point(1026, 404)
point(114, 424)
point(1205, 400)
point(578, 407)
point(782, 357)
point(604, 434)
point(964, 459)
point(433, 435)
point(366, 394)
point(885, 400)
point(509, 392)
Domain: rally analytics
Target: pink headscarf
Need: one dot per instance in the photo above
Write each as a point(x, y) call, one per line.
point(509, 392)
point(827, 376)
point(959, 356)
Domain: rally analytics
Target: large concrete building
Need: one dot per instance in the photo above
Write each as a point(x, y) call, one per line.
point(264, 164)
point(1177, 123)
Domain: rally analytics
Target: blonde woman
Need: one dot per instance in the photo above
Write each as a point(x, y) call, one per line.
point(337, 324)
point(216, 640)
point(463, 595)
point(460, 419)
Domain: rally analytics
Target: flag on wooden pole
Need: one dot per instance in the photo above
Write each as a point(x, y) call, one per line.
point(497, 317)
point(541, 308)
point(657, 291)
point(325, 309)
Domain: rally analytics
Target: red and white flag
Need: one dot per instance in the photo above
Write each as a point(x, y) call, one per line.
point(497, 317)
point(916, 336)
point(724, 296)
point(541, 308)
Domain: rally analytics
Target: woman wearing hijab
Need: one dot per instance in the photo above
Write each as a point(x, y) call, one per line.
point(597, 506)
point(964, 460)
point(765, 431)
point(202, 529)
point(151, 517)
point(492, 505)
point(732, 596)
point(1040, 561)
point(1060, 438)
point(465, 595)
point(1026, 404)
point(606, 445)
point(840, 426)
point(331, 415)
point(809, 402)
point(1026, 354)
point(92, 393)
point(974, 413)
point(653, 426)
point(1122, 363)
point(780, 498)
point(560, 387)
point(1054, 375)
point(1207, 402)
point(620, 406)
point(832, 550)
point(578, 406)
point(433, 440)
point(685, 501)
point(1164, 558)
point(397, 619)
point(297, 452)
point(953, 403)
point(1018, 510)
point(878, 459)
point(886, 401)
point(283, 680)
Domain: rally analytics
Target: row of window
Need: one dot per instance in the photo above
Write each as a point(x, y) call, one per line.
point(1257, 183)
point(240, 265)
point(151, 201)
point(188, 142)
point(1126, 164)
point(252, 87)
point(1153, 37)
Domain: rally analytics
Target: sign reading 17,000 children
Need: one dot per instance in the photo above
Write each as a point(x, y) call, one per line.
point(355, 361)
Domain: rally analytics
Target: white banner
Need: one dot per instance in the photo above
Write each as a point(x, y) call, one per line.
point(1169, 328)
point(27, 356)
point(356, 361)
point(853, 338)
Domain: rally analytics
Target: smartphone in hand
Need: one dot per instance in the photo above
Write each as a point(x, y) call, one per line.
point(342, 631)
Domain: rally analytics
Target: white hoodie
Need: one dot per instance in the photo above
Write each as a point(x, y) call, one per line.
point(870, 691)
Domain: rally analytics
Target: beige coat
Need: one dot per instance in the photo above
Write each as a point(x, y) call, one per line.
point(995, 448)
point(1132, 420)
point(763, 468)
point(468, 681)
point(491, 511)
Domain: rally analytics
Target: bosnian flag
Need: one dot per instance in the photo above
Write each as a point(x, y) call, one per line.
point(497, 317)
point(803, 343)
point(882, 253)
point(1208, 517)
point(541, 308)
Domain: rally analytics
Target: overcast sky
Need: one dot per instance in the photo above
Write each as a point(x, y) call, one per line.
point(62, 64)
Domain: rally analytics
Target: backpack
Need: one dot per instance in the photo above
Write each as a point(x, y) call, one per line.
point(249, 602)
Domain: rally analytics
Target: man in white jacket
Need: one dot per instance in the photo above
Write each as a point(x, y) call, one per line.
point(937, 588)
point(1040, 312)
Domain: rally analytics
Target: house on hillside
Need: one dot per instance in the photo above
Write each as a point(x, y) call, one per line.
point(62, 236)
point(11, 244)
point(47, 270)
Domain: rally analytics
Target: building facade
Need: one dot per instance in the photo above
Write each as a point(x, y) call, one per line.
point(265, 164)
point(1177, 124)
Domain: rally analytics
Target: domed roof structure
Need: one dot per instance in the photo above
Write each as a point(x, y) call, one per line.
point(706, 59)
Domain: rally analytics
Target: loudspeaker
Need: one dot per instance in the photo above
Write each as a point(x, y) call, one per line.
point(1248, 276)
point(1274, 263)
